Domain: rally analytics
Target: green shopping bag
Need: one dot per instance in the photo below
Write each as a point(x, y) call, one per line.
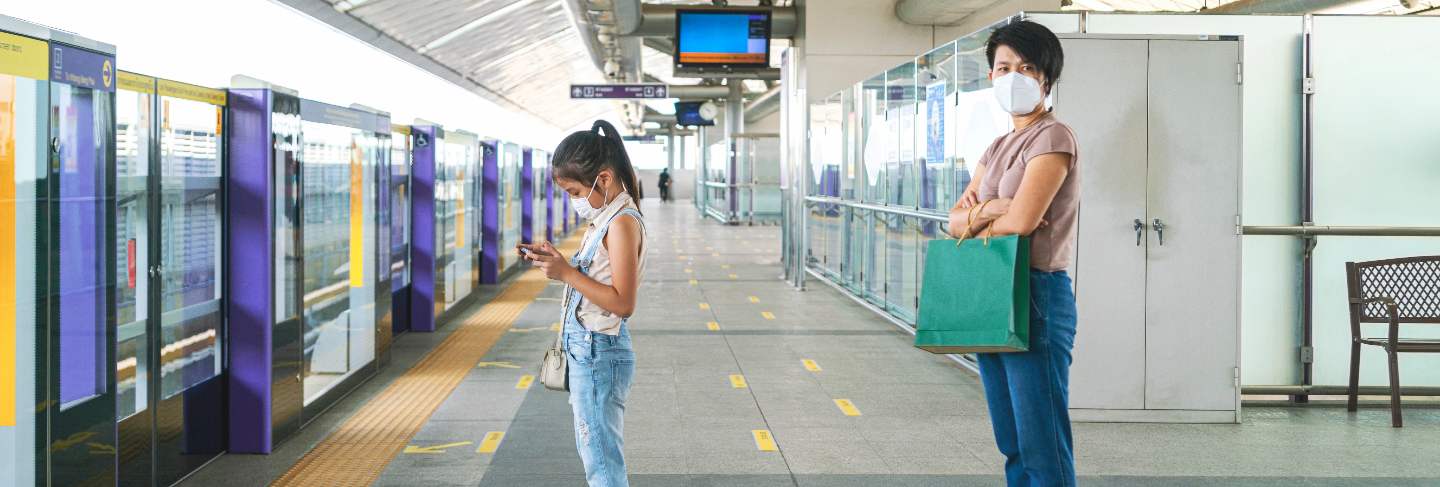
point(976, 296)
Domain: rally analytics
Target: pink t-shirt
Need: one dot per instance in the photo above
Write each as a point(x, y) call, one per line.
point(1052, 247)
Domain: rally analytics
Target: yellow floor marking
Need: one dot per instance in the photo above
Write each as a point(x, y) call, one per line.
point(687, 271)
point(704, 305)
point(525, 381)
point(713, 326)
point(754, 299)
point(360, 448)
point(554, 327)
point(412, 449)
point(724, 266)
point(810, 365)
point(768, 315)
point(694, 282)
point(498, 365)
point(733, 276)
point(847, 407)
point(737, 381)
point(491, 442)
point(764, 441)
point(528, 330)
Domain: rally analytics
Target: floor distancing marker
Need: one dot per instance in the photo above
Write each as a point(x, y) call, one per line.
point(712, 326)
point(525, 381)
point(412, 449)
point(555, 326)
point(704, 305)
point(491, 442)
point(733, 276)
point(768, 315)
point(360, 448)
point(694, 282)
point(688, 271)
point(737, 381)
point(724, 266)
point(810, 365)
point(847, 407)
point(754, 299)
point(764, 440)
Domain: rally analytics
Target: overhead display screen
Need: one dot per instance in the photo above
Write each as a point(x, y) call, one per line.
point(709, 38)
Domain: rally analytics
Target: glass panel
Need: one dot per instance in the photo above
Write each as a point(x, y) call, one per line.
point(874, 139)
point(399, 210)
point(900, 121)
point(23, 103)
point(509, 203)
point(1391, 135)
point(454, 196)
point(80, 119)
point(133, 117)
point(190, 254)
point(934, 83)
point(979, 120)
point(332, 154)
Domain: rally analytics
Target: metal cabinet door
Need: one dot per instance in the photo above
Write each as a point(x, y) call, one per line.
point(1192, 295)
point(1103, 91)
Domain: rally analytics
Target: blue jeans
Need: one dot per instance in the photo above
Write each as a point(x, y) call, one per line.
point(601, 370)
point(1029, 393)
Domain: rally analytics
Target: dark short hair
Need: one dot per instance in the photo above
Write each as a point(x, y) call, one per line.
point(1035, 44)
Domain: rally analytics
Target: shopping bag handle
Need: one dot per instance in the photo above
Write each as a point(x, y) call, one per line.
point(970, 219)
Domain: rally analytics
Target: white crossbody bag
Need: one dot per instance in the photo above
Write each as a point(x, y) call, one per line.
point(555, 369)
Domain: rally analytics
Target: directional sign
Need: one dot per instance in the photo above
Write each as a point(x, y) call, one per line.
point(623, 91)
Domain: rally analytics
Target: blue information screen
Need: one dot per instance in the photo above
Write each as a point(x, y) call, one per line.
point(723, 38)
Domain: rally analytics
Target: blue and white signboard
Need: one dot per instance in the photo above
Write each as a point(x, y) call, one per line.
point(621, 91)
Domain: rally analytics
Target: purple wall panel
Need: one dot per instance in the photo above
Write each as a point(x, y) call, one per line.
point(527, 197)
point(422, 221)
point(549, 205)
point(249, 278)
point(490, 218)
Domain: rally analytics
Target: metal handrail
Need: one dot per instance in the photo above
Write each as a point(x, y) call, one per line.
point(1333, 230)
point(879, 208)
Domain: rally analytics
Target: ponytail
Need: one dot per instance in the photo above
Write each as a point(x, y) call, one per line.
point(582, 155)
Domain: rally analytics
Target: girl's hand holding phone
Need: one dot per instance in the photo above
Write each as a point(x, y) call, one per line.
point(548, 259)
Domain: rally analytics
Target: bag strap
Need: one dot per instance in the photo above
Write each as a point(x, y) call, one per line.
point(970, 220)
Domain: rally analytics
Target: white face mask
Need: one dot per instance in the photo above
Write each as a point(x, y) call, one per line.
point(1017, 93)
point(582, 205)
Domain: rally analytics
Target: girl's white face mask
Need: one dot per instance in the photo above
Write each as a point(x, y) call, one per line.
point(1017, 93)
point(582, 205)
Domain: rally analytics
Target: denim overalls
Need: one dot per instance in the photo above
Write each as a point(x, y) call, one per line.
point(601, 368)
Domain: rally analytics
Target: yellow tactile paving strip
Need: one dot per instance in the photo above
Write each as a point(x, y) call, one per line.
point(358, 451)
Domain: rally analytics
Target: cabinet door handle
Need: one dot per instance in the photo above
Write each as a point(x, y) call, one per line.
point(1160, 231)
point(1139, 231)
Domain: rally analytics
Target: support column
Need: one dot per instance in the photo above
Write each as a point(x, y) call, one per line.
point(422, 227)
point(734, 125)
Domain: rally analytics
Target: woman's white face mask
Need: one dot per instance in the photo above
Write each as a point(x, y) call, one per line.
point(1017, 93)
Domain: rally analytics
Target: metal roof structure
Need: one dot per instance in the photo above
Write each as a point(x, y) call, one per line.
point(521, 54)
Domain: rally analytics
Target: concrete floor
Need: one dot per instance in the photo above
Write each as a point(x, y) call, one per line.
point(922, 419)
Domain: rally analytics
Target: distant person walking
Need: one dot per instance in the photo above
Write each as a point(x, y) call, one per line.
point(602, 285)
point(1026, 183)
point(665, 184)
